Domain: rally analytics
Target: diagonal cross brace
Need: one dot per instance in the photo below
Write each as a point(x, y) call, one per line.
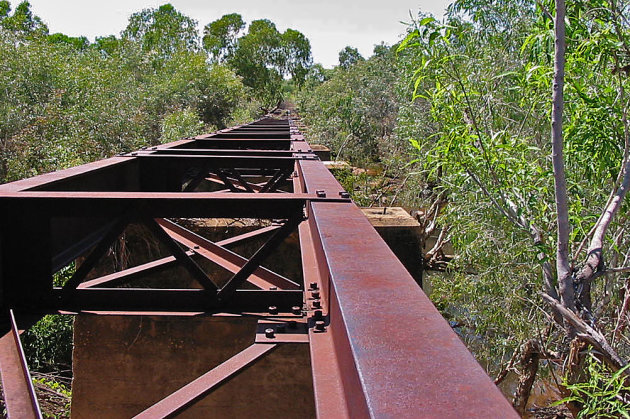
point(97, 253)
point(180, 255)
point(261, 254)
point(190, 393)
point(261, 277)
point(275, 181)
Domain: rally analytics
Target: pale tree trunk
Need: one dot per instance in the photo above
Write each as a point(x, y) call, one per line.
point(563, 267)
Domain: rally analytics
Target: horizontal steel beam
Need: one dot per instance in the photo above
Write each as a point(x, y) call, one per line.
point(178, 300)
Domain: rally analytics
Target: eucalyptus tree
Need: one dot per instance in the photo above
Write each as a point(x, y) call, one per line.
point(349, 56)
point(22, 21)
point(487, 75)
point(162, 31)
point(219, 37)
point(262, 56)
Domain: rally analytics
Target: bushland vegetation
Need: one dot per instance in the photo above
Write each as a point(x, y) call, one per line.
point(539, 287)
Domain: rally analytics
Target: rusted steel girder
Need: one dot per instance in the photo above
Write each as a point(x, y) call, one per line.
point(378, 346)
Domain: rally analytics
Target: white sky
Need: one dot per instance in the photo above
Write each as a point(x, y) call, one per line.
point(330, 25)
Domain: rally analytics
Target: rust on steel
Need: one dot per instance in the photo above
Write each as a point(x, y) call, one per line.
point(378, 346)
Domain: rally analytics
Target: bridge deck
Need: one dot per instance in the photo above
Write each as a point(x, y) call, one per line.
point(378, 346)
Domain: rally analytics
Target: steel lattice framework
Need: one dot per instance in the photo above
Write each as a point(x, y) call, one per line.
point(378, 346)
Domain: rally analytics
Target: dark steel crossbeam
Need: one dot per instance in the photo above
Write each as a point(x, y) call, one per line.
point(162, 204)
point(175, 300)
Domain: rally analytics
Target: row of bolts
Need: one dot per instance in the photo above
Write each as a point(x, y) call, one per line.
point(320, 324)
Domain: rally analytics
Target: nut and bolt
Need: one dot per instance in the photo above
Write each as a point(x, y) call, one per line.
point(273, 288)
point(318, 315)
point(313, 285)
point(317, 304)
point(273, 310)
point(315, 295)
point(297, 310)
point(196, 246)
point(320, 325)
point(270, 333)
point(344, 194)
point(320, 193)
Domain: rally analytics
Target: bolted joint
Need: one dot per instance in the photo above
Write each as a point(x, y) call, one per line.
point(320, 326)
point(273, 310)
point(320, 193)
point(344, 194)
point(270, 333)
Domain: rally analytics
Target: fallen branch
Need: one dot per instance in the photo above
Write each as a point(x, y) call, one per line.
point(586, 332)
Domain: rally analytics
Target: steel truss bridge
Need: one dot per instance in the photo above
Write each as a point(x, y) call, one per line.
point(378, 346)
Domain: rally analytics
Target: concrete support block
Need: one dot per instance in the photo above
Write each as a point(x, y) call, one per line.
point(401, 232)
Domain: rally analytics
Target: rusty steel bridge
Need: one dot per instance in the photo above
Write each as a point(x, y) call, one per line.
point(378, 347)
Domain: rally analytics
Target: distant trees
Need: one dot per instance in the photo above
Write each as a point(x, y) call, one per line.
point(262, 56)
point(349, 56)
point(163, 31)
point(65, 101)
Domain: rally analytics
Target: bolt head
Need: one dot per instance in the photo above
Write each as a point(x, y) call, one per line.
point(273, 310)
point(317, 304)
point(313, 285)
point(320, 325)
point(320, 193)
point(270, 333)
point(296, 310)
point(344, 194)
point(315, 295)
point(317, 315)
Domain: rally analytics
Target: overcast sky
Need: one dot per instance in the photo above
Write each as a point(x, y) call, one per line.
point(330, 25)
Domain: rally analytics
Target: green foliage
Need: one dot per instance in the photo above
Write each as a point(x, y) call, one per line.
point(262, 56)
point(22, 22)
point(353, 110)
point(180, 124)
point(220, 36)
point(163, 31)
point(349, 56)
point(481, 85)
point(603, 395)
point(48, 344)
point(63, 103)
